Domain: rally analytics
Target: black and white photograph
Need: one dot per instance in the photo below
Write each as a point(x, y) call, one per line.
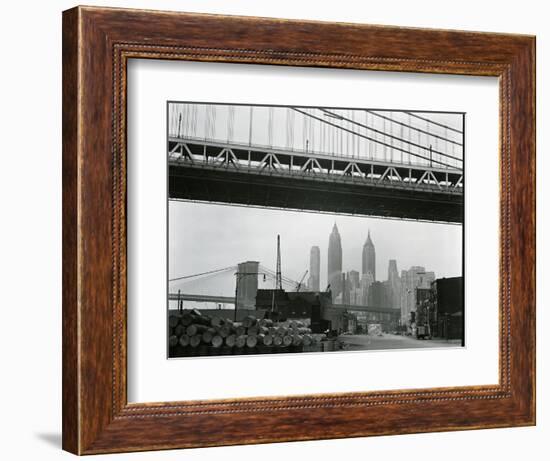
point(297, 229)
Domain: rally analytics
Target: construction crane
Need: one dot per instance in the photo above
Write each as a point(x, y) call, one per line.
point(299, 285)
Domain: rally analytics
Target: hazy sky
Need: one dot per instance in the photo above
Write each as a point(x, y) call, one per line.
point(206, 236)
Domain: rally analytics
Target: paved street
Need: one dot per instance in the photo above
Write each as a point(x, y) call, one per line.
point(389, 341)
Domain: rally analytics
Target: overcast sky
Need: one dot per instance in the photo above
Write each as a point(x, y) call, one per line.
point(206, 236)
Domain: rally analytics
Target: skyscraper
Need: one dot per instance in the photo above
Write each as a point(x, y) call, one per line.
point(366, 281)
point(369, 257)
point(394, 284)
point(334, 272)
point(314, 268)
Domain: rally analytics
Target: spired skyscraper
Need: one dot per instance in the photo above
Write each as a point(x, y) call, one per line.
point(334, 272)
point(314, 268)
point(369, 258)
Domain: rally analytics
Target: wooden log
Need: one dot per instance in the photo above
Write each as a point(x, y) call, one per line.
point(296, 340)
point(268, 340)
point(287, 340)
point(195, 317)
point(217, 341)
point(249, 321)
point(225, 330)
point(251, 341)
point(240, 341)
point(173, 340)
point(266, 322)
point(216, 322)
point(195, 340)
point(277, 340)
point(179, 330)
point(240, 330)
point(195, 329)
point(208, 335)
point(184, 340)
point(307, 340)
point(186, 319)
point(231, 340)
point(253, 330)
point(173, 320)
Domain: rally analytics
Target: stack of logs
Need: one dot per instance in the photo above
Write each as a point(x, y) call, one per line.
point(193, 331)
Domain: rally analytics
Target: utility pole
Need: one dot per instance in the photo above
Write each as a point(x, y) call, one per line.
point(278, 277)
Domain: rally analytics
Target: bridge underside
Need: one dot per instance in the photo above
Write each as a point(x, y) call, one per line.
point(193, 182)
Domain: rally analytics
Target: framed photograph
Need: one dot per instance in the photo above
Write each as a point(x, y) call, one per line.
point(284, 230)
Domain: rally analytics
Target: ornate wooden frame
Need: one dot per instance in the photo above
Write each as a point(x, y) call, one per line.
point(97, 43)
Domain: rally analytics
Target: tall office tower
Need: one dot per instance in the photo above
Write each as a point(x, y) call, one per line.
point(369, 257)
point(378, 295)
point(366, 281)
point(345, 289)
point(415, 277)
point(314, 269)
point(394, 284)
point(334, 272)
point(247, 284)
point(352, 287)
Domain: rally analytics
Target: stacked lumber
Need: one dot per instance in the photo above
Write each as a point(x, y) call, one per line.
point(194, 333)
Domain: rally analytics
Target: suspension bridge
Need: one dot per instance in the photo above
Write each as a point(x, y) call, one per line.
point(395, 164)
point(265, 274)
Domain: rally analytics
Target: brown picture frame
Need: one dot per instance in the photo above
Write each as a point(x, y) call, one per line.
point(97, 43)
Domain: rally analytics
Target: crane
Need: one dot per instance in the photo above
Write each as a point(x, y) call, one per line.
point(299, 285)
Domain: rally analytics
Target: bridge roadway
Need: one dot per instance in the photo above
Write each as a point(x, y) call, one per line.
point(261, 176)
point(231, 300)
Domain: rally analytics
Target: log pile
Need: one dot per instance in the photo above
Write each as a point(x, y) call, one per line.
point(194, 333)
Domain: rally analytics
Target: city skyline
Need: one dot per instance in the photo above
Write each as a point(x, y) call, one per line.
point(226, 226)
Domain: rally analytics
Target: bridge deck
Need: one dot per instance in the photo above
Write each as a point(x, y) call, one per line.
point(269, 178)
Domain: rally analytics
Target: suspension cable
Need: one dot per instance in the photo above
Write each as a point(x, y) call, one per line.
point(433, 122)
point(383, 133)
point(375, 140)
point(202, 273)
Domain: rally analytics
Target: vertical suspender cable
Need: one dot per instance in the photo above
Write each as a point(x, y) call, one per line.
point(251, 116)
point(401, 135)
point(270, 127)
